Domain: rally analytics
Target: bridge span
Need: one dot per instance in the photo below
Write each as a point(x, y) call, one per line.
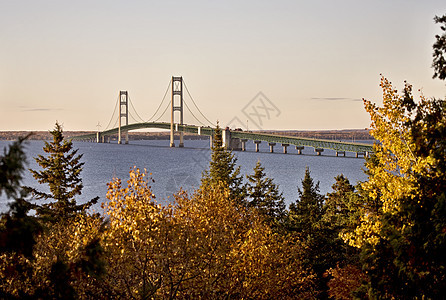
point(236, 139)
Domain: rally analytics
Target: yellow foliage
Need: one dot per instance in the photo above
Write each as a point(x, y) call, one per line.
point(393, 174)
point(200, 246)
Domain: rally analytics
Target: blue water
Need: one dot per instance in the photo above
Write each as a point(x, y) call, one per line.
point(173, 168)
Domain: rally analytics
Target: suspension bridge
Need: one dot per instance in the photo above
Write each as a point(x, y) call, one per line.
point(233, 139)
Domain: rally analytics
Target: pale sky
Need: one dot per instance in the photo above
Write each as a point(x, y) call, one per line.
point(313, 60)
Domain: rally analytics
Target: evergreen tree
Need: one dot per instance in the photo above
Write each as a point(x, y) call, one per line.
point(17, 228)
point(264, 195)
point(305, 219)
point(222, 168)
point(61, 171)
point(341, 214)
point(439, 63)
point(306, 213)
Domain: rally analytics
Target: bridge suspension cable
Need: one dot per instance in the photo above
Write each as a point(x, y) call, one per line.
point(187, 90)
point(131, 104)
point(187, 106)
point(168, 105)
point(114, 111)
point(159, 106)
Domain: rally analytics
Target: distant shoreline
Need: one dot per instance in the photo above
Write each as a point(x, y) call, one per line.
point(345, 134)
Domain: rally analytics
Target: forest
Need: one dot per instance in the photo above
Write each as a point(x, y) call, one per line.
point(233, 237)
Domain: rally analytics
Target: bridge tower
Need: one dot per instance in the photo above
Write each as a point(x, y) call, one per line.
point(123, 113)
point(176, 105)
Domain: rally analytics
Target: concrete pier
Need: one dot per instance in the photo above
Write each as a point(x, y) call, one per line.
point(257, 145)
point(285, 146)
point(243, 144)
point(340, 153)
point(318, 151)
point(299, 149)
point(271, 147)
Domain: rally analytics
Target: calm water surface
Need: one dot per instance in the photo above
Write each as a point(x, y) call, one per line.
point(173, 168)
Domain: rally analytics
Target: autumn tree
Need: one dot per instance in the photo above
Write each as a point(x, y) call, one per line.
point(61, 171)
point(402, 228)
point(264, 195)
point(439, 62)
point(202, 246)
point(223, 168)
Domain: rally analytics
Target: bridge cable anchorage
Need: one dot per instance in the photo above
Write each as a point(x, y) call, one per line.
point(131, 104)
point(167, 107)
point(111, 119)
point(159, 106)
point(187, 90)
point(193, 114)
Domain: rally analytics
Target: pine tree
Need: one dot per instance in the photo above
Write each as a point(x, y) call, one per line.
point(61, 171)
point(439, 62)
point(305, 219)
point(17, 228)
point(305, 214)
point(264, 195)
point(222, 168)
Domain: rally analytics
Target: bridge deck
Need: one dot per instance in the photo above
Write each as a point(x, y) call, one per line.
point(270, 138)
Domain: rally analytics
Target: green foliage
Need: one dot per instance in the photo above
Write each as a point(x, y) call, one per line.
point(61, 171)
point(222, 168)
point(439, 62)
point(17, 229)
point(305, 214)
point(11, 168)
point(264, 195)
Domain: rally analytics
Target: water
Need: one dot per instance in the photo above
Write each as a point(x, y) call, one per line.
point(173, 168)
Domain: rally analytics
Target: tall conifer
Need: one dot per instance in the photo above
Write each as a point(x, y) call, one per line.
point(264, 195)
point(61, 171)
point(222, 168)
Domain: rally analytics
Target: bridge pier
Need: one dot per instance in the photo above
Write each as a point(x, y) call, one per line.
point(340, 153)
point(229, 142)
point(243, 144)
point(360, 153)
point(257, 145)
point(299, 149)
point(271, 147)
point(318, 151)
point(285, 148)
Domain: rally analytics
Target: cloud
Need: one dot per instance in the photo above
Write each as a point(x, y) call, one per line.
point(26, 109)
point(335, 99)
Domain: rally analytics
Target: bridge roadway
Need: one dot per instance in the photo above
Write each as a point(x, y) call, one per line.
point(241, 137)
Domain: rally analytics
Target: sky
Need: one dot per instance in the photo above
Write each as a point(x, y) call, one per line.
point(301, 65)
